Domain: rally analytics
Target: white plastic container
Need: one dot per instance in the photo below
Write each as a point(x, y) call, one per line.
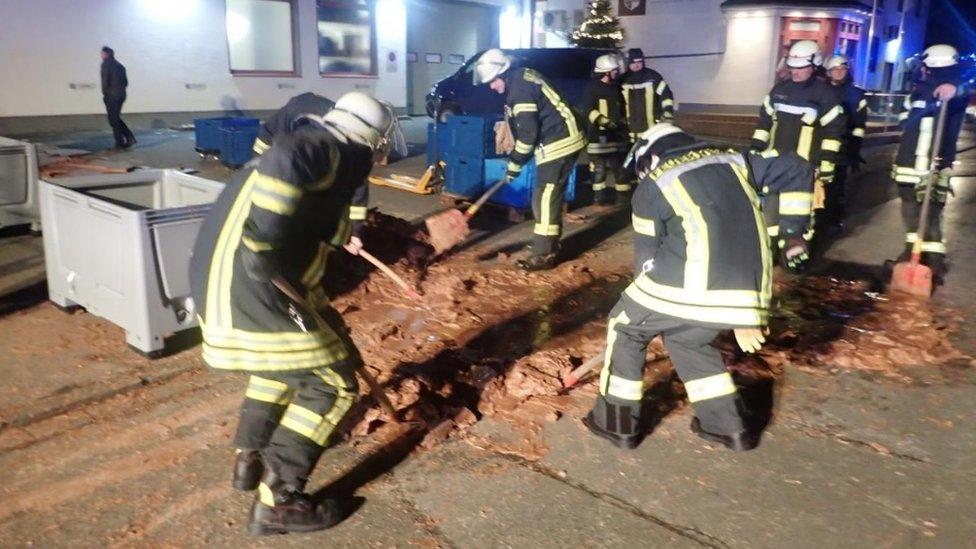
point(120, 246)
point(18, 184)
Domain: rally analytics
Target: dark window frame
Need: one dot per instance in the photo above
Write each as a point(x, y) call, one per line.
point(370, 6)
point(296, 71)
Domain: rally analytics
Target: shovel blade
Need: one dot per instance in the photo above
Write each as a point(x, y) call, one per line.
point(912, 278)
point(447, 230)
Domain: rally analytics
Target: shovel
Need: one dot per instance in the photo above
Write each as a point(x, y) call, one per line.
point(450, 228)
point(911, 277)
point(374, 387)
point(410, 290)
point(583, 369)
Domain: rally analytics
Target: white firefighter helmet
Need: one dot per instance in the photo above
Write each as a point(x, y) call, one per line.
point(606, 63)
point(491, 65)
point(940, 55)
point(362, 119)
point(803, 54)
point(835, 61)
point(644, 143)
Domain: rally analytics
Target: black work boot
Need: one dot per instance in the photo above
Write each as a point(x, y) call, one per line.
point(280, 508)
point(737, 442)
point(605, 197)
point(622, 198)
point(537, 262)
point(248, 467)
point(618, 424)
point(936, 262)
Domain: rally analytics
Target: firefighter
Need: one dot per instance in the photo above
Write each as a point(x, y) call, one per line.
point(280, 220)
point(647, 96)
point(301, 107)
point(856, 109)
point(703, 264)
point(607, 136)
point(802, 115)
point(543, 122)
point(939, 80)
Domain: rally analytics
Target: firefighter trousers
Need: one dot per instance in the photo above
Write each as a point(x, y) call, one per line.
point(933, 247)
point(291, 415)
point(604, 167)
point(548, 198)
point(699, 365)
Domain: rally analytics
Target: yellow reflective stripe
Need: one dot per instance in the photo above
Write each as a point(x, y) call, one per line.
point(667, 103)
point(611, 341)
point(771, 153)
point(661, 87)
point(729, 316)
point(765, 254)
point(545, 225)
point(626, 389)
point(805, 142)
point(809, 118)
point(862, 104)
point(772, 230)
point(643, 225)
point(357, 213)
point(344, 396)
point(558, 149)
point(907, 179)
point(273, 185)
point(826, 166)
point(304, 422)
point(265, 495)
point(604, 107)
point(272, 203)
point(267, 390)
point(721, 298)
point(649, 108)
point(710, 387)
point(513, 167)
point(761, 135)
point(911, 238)
point(599, 186)
point(795, 203)
point(519, 108)
point(218, 312)
point(555, 100)
point(260, 146)
point(313, 273)
point(934, 247)
point(924, 144)
point(594, 116)
point(858, 132)
point(622, 187)
point(254, 245)
point(830, 145)
point(831, 115)
point(902, 116)
point(696, 234)
point(768, 105)
point(522, 147)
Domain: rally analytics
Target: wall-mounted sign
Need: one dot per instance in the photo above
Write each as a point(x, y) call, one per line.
point(433, 58)
point(631, 7)
point(411, 57)
point(455, 59)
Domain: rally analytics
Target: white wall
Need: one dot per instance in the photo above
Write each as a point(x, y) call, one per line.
point(165, 45)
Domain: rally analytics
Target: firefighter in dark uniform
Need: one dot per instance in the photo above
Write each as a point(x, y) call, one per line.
point(703, 264)
point(281, 219)
point(802, 115)
point(856, 110)
point(543, 123)
point(301, 107)
point(939, 80)
point(647, 97)
point(607, 136)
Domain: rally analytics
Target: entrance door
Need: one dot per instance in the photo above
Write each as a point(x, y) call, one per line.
point(441, 36)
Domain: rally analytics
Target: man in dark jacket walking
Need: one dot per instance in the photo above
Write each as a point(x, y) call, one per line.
point(114, 83)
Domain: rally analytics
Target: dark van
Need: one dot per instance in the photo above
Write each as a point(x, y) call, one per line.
point(567, 69)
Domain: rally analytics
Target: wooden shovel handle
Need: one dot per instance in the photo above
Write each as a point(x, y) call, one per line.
point(473, 209)
point(410, 290)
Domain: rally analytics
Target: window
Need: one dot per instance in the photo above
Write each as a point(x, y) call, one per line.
point(261, 37)
point(347, 38)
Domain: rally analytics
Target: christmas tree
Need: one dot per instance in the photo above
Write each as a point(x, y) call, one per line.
point(601, 29)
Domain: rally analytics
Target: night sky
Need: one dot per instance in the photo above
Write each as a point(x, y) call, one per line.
point(953, 22)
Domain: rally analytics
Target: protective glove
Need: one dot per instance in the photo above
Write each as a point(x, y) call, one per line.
point(750, 340)
point(354, 245)
point(794, 254)
point(827, 177)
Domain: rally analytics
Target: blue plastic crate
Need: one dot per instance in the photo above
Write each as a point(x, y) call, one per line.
point(518, 193)
point(207, 133)
point(237, 141)
point(464, 176)
point(469, 136)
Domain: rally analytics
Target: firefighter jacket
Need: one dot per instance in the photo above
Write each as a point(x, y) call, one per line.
point(918, 119)
point(283, 120)
point(647, 98)
point(282, 218)
point(541, 120)
point(701, 246)
point(805, 117)
point(604, 107)
point(855, 106)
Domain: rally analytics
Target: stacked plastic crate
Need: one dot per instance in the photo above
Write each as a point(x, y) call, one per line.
point(230, 138)
point(463, 143)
